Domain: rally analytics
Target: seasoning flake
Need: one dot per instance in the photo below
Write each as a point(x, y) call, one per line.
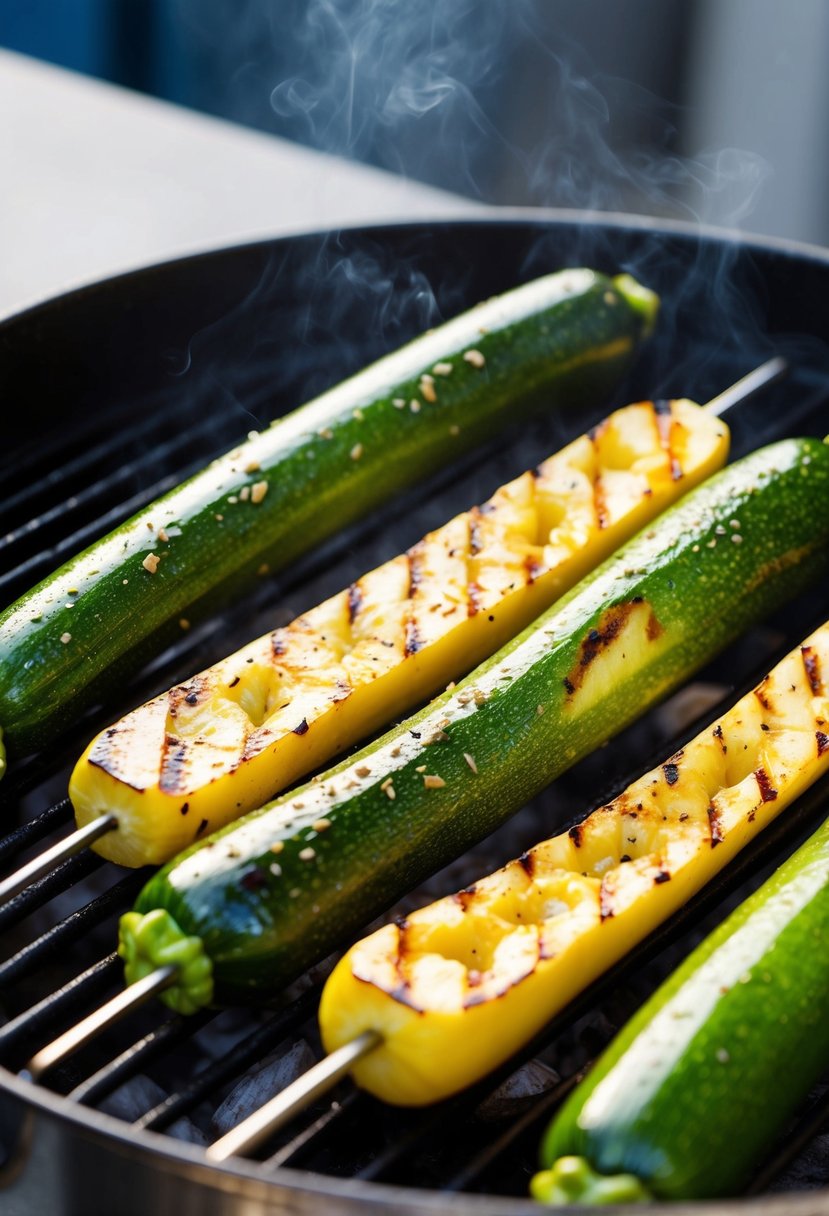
point(258, 491)
point(474, 358)
point(150, 562)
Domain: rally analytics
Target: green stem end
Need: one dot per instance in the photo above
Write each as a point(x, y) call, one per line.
point(573, 1180)
point(147, 942)
point(641, 299)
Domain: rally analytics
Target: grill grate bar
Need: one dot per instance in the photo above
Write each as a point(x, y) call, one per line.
point(313, 1135)
point(234, 1062)
point(124, 1067)
point(29, 833)
point(69, 930)
point(57, 1009)
point(541, 1108)
point(55, 883)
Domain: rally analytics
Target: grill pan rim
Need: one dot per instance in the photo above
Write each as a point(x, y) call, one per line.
point(176, 1156)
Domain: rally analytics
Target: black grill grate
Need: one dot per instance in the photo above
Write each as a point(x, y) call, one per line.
point(56, 937)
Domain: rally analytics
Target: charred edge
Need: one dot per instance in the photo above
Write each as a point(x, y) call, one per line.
point(413, 640)
point(173, 764)
point(715, 824)
point(576, 833)
point(606, 909)
point(343, 692)
point(302, 729)
point(527, 862)
point(278, 643)
point(767, 791)
point(474, 531)
point(415, 576)
point(532, 567)
point(610, 625)
point(718, 735)
point(762, 696)
point(660, 877)
point(671, 772)
point(664, 426)
point(473, 592)
point(822, 742)
point(602, 517)
point(193, 693)
point(355, 601)
point(653, 629)
point(465, 897)
point(811, 663)
point(234, 681)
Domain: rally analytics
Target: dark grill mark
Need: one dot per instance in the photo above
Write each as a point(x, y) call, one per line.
point(714, 823)
point(474, 531)
point(465, 897)
point(761, 695)
point(200, 829)
point(822, 742)
point(610, 625)
point(662, 876)
point(355, 601)
point(173, 765)
point(473, 592)
point(413, 641)
point(184, 808)
point(234, 681)
point(671, 772)
point(302, 729)
point(717, 733)
point(532, 567)
point(576, 834)
point(811, 663)
point(415, 575)
point(767, 793)
point(528, 862)
point(278, 645)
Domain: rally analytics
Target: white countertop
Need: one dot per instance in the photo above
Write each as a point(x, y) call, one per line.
point(97, 180)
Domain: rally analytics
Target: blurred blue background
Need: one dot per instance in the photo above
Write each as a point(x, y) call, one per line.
point(710, 109)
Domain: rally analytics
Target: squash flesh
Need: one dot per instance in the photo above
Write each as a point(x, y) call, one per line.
point(193, 759)
point(460, 985)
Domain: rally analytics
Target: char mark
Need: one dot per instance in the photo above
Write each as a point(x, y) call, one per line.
point(606, 909)
point(355, 601)
point(822, 742)
point(715, 824)
point(302, 728)
point(413, 640)
point(660, 877)
point(527, 861)
point(174, 757)
point(465, 897)
point(475, 545)
point(576, 833)
point(610, 625)
point(278, 643)
point(415, 573)
point(811, 663)
point(671, 772)
point(473, 593)
point(767, 791)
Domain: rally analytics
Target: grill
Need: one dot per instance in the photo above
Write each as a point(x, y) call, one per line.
point(115, 392)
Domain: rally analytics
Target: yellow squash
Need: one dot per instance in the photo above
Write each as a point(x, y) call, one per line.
point(460, 985)
point(204, 753)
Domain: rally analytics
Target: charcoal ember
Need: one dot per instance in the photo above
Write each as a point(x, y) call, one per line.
point(261, 1083)
point(516, 1093)
point(140, 1094)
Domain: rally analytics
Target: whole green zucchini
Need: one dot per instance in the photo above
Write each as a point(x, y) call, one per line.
point(562, 340)
point(700, 1083)
point(265, 898)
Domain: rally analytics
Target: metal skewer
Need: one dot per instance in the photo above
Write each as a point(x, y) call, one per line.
point(317, 1081)
point(110, 1013)
point(745, 388)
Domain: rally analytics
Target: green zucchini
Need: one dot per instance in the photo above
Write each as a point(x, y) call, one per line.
point(284, 886)
point(698, 1085)
point(562, 340)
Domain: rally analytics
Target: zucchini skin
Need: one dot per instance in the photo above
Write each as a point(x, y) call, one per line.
point(563, 339)
point(705, 1076)
point(284, 886)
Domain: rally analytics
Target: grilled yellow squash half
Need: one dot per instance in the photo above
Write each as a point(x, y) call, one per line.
point(206, 752)
point(460, 985)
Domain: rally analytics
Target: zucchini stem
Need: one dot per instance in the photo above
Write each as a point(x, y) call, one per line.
point(573, 1180)
point(152, 941)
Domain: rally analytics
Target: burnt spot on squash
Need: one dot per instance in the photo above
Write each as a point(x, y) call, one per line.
point(465, 897)
point(715, 825)
point(355, 601)
point(660, 877)
point(767, 791)
point(606, 908)
point(822, 742)
point(527, 862)
point(184, 808)
point(762, 695)
point(413, 640)
point(576, 832)
point(532, 566)
point(413, 557)
point(473, 597)
point(202, 828)
point(718, 735)
point(302, 728)
point(811, 665)
point(278, 643)
point(173, 769)
point(671, 772)
point(475, 545)
point(598, 641)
